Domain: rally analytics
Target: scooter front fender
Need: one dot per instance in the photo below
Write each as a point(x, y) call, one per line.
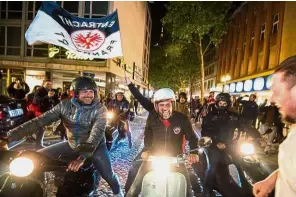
point(172, 184)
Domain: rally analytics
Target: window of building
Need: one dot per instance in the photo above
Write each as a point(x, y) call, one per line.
point(275, 25)
point(252, 38)
point(95, 9)
point(262, 32)
point(33, 7)
point(10, 42)
point(11, 9)
point(70, 6)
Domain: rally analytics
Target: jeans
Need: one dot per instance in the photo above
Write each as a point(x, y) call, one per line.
point(218, 175)
point(145, 167)
point(100, 158)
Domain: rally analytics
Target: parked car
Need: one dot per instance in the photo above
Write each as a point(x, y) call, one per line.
point(12, 114)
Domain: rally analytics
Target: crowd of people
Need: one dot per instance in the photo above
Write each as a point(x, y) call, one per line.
point(168, 126)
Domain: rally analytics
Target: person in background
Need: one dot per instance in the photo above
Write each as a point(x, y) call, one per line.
point(109, 98)
point(32, 110)
point(18, 89)
point(182, 104)
point(136, 104)
point(248, 115)
point(45, 98)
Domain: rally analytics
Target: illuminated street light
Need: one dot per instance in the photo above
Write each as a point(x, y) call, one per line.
point(224, 79)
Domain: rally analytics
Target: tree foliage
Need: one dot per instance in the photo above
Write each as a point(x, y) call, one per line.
point(198, 23)
point(173, 65)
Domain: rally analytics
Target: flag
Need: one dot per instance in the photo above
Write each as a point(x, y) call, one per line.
point(96, 38)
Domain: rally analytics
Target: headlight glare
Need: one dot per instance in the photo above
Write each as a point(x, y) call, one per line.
point(21, 167)
point(247, 149)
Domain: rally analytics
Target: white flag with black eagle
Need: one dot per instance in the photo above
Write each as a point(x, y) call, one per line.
point(96, 38)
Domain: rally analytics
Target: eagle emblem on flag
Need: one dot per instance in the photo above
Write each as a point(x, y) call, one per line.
point(88, 40)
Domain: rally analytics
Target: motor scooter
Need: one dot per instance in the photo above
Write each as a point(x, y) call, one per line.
point(244, 166)
point(116, 130)
point(161, 181)
point(32, 174)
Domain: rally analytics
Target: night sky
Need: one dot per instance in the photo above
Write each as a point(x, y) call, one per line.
point(157, 13)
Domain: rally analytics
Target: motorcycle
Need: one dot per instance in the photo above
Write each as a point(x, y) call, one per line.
point(117, 130)
point(244, 166)
point(32, 174)
point(161, 181)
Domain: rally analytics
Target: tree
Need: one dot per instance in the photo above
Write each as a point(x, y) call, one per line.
point(174, 65)
point(200, 22)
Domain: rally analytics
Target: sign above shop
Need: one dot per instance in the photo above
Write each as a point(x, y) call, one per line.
point(259, 84)
point(232, 88)
point(248, 85)
point(52, 51)
point(239, 86)
point(269, 81)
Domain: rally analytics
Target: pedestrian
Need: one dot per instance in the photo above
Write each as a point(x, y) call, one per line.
point(182, 105)
point(136, 104)
point(32, 109)
point(269, 123)
point(18, 89)
point(248, 116)
point(284, 95)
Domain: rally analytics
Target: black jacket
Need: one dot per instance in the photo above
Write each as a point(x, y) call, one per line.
point(45, 102)
point(219, 125)
point(161, 140)
point(249, 110)
point(157, 138)
point(18, 93)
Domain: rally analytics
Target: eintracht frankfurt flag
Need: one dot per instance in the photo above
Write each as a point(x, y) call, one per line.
point(97, 38)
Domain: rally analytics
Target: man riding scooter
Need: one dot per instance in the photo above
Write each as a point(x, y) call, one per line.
point(219, 124)
point(120, 109)
point(164, 136)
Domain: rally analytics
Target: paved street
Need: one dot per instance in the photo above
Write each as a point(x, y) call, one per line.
point(122, 156)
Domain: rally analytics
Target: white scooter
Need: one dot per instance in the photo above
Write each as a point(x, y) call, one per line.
point(161, 181)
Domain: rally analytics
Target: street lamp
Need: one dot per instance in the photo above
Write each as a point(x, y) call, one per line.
point(224, 79)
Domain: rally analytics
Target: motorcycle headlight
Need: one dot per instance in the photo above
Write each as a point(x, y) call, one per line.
point(21, 167)
point(161, 164)
point(110, 115)
point(247, 149)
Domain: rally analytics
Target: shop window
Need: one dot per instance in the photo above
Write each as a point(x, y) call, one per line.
point(275, 25)
point(33, 7)
point(95, 9)
point(262, 32)
point(11, 10)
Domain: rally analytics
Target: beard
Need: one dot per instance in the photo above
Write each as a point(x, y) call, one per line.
point(165, 115)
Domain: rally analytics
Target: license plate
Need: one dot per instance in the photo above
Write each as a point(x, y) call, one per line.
point(15, 112)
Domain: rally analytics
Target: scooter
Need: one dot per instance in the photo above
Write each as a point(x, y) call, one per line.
point(161, 181)
point(244, 166)
point(116, 130)
point(32, 174)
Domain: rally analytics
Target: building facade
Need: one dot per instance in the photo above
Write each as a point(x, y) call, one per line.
point(260, 36)
point(40, 62)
